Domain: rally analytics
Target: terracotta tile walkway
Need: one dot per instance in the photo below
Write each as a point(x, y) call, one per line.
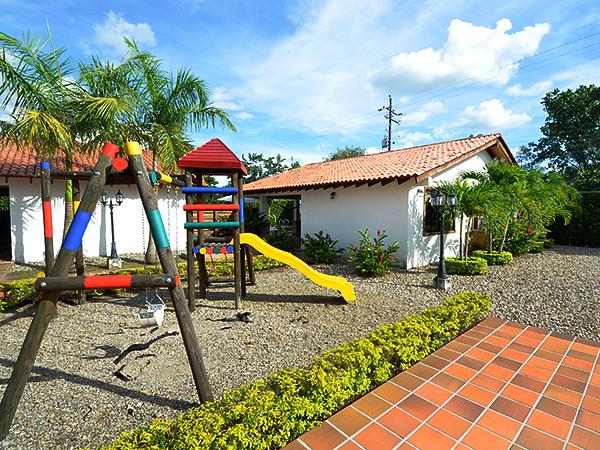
point(500, 385)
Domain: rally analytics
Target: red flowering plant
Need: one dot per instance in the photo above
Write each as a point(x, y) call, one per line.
point(370, 256)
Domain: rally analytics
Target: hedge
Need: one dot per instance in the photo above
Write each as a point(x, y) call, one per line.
point(494, 258)
point(583, 228)
point(15, 292)
point(470, 266)
point(269, 413)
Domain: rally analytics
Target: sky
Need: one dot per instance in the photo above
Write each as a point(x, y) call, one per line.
point(304, 77)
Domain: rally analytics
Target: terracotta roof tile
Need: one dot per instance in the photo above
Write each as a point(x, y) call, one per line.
point(24, 162)
point(397, 164)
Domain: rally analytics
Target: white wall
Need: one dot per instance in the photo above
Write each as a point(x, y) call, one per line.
point(396, 208)
point(27, 230)
point(354, 209)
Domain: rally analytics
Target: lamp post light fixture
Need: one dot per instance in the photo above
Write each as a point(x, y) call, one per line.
point(113, 262)
point(441, 203)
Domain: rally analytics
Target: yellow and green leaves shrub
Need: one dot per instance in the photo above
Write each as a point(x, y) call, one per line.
point(494, 258)
point(269, 413)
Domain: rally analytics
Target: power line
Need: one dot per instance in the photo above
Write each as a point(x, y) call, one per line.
point(457, 87)
point(390, 118)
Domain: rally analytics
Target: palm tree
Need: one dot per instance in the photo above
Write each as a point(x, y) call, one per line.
point(37, 89)
point(506, 184)
point(49, 112)
point(165, 107)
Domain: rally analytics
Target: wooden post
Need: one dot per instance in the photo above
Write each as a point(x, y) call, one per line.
point(237, 263)
point(203, 280)
point(47, 213)
point(191, 271)
point(47, 306)
point(247, 252)
point(79, 261)
point(167, 262)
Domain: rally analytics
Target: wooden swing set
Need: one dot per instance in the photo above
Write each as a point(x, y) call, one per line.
point(57, 280)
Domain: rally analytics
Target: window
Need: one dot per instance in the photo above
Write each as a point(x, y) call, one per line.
point(431, 219)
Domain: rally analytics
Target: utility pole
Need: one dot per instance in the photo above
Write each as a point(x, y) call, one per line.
point(390, 117)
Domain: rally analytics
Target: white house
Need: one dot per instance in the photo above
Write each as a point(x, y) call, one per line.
point(21, 221)
point(386, 190)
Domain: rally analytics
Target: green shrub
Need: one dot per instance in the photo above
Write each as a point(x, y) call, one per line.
point(470, 266)
point(494, 258)
point(15, 292)
point(583, 228)
point(283, 240)
point(269, 413)
point(548, 243)
point(372, 257)
point(536, 247)
point(320, 248)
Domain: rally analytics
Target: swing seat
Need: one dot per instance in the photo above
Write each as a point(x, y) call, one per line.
point(152, 316)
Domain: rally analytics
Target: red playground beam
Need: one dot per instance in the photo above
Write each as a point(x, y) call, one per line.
point(212, 207)
point(106, 282)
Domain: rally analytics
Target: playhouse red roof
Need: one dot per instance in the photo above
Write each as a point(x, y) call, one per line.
point(213, 155)
point(25, 163)
point(419, 162)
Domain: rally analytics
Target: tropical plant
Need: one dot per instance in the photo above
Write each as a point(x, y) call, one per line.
point(372, 256)
point(320, 248)
point(469, 266)
point(159, 109)
point(43, 102)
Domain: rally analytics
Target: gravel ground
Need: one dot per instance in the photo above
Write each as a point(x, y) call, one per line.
point(74, 399)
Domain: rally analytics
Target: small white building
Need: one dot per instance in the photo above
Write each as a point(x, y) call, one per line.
point(386, 190)
point(21, 220)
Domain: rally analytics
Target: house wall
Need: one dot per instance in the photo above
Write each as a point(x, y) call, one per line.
point(27, 232)
point(354, 209)
point(398, 209)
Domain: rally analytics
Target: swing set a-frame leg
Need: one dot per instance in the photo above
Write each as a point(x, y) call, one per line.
point(167, 262)
point(47, 306)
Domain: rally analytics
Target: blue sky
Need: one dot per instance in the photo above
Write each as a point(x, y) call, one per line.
point(302, 78)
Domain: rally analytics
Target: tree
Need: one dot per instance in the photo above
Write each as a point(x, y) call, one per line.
point(517, 203)
point(571, 141)
point(259, 166)
point(47, 107)
point(346, 152)
point(161, 108)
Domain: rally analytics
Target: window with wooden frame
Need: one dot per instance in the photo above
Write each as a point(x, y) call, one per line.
point(431, 218)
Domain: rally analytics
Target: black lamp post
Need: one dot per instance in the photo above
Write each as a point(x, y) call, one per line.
point(441, 202)
point(113, 260)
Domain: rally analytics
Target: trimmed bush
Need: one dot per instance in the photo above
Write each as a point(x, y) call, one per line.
point(494, 258)
point(269, 413)
point(320, 248)
point(470, 266)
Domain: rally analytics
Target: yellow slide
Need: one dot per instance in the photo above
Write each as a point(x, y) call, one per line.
point(329, 281)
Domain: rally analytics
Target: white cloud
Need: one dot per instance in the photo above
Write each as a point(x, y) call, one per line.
point(109, 35)
point(372, 150)
point(586, 73)
point(426, 111)
point(316, 78)
point(532, 91)
point(490, 115)
point(476, 53)
point(243, 116)
point(224, 99)
point(406, 139)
